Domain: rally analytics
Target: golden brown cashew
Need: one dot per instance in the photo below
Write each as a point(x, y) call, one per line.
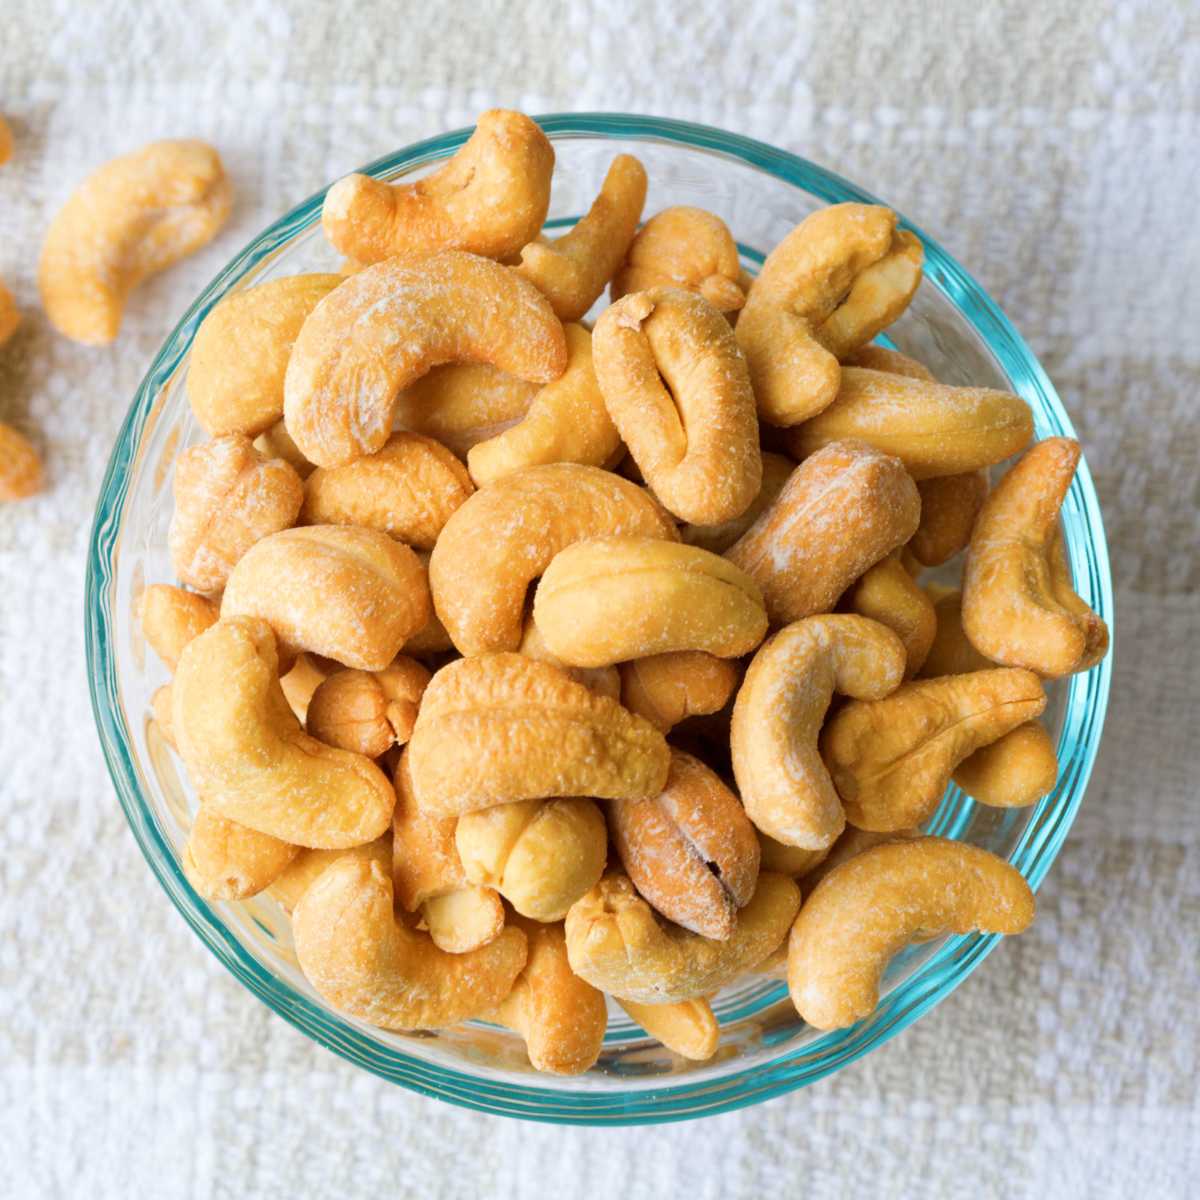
point(131, 218)
point(6, 141)
point(224, 860)
point(778, 713)
point(367, 711)
point(1018, 606)
point(777, 470)
point(505, 535)
point(617, 943)
point(604, 680)
point(790, 860)
point(409, 489)
point(240, 353)
point(1015, 770)
point(687, 248)
point(566, 422)
point(669, 688)
point(841, 511)
point(171, 617)
point(385, 327)
point(490, 198)
point(887, 593)
point(609, 600)
point(872, 906)
point(842, 275)
point(852, 842)
point(572, 270)
point(561, 1017)
point(365, 962)
point(951, 653)
point(689, 1027)
point(276, 442)
point(932, 428)
point(677, 389)
point(891, 759)
point(949, 506)
point(20, 465)
point(300, 873)
point(247, 756)
point(10, 315)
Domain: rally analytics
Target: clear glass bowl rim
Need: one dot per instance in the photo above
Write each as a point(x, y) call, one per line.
point(1086, 703)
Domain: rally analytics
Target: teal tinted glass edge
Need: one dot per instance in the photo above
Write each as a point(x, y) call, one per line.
point(1086, 700)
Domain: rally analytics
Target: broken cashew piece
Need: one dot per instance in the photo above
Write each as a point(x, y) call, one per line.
point(949, 506)
point(891, 759)
point(572, 270)
point(669, 688)
point(367, 711)
point(491, 198)
point(1016, 770)
point(131, 218)
point(1018, 606)
point(171, 617)
point(383, 328)
point(777, 717)
point(677, 389)
point(887, 593)
point(364, 961)
point(224, 860)
point(688, 1027)
point(872, 906)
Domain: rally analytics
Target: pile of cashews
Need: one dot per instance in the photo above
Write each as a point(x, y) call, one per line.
point(505, 656)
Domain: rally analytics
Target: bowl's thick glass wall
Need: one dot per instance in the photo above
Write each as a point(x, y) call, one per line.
point(762, 193)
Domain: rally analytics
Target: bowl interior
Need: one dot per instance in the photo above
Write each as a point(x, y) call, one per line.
point(765, 1048)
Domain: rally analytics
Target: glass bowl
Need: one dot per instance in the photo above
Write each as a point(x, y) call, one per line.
point(765, 1049)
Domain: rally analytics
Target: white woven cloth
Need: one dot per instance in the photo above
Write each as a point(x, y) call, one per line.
point(1052, 147)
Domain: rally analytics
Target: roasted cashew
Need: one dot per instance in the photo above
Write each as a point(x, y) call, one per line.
point(385, 327)
point(1015, 770)
point(689, 1027)
point(776, 471)
point(131, 218)
point(297, 877)
point(868, 909)
point(606, 681)
point(887, 593)
point(6, 141)
point(883, 358)
point(367, 711)
point(785, 787)
point(171, 617)
point(10, 315)
point(225, 860)
point(795, 861)
point(951, 653)
point(949, 506)
point(669, 688)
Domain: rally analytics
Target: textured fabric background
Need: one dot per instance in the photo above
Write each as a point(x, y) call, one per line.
point(1054, 149)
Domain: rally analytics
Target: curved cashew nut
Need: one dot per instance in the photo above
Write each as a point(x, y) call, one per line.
point(949, 506)
point(298, 876)
point(505, 535)
point(887, 593)
point(677, 389)
point(247, 756)
point(365, 962)
point(1015, 770)
point(609, 600)
point(689, 1027)
point(171, 617)
point(501, 727)
point(368, 712)
point(1018, 606)
point(571, 271)
point(880, 900)
point(932, 428)
point(776, 471)
point(133, 217)
point(491, 198)
point(225, 860)
point(785, 787)
point(385, 327)
point(669, 688)
point(891, 759)
point(687, 248)
point(617, 943)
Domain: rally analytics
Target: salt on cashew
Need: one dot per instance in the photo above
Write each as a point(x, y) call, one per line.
point(10, 315)
point(364, 961)
point(690, 850)
point(227, 497)
point(241, 350)
point(225, 860)
point(491, 198)
point(276, 442)
point(949, 506)
point(688, 1027)
point(687, 248)
point(891, 759)
point(383, 328)
point(1018, 605)
point(887, 593)
point(608, 600)
point(298, 876)
point(1016, 770)
point(501, 727)
point(669, 688)
point(572, 270)
point(20, 465)
point(347, 593)
point(409, 488)
point(884, 358)
point(566, 422)
point(677, 389)
point(428, 876)
point(606, 681)
point(367, 711)
point(247, 756)
point(540, 855)
point(932, 428)
point(561, 1017)
point(951, 653)
point(776, 470)
point(619, 944)
point(131, 218)
point(842, 510)
point(777, 717)
point(868, 909)
point(506, 534)
point(843, 274)
point(170, 618)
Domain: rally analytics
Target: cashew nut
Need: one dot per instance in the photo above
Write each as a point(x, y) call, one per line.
point(873, 905)
point(20, 465)
point(300, 683)
point(225, 860)
point(887, 593)
point(131, 218)
point(791, 860)
point(385, 327)
point(297, 877)
point(1017, 769)
point(606, 681)
point(949, 506)
point(491, 198)
point(786, 789)
point(6, 141)
point(1018, 606)
point(689, 1027)
point(951, 653)
point(883, 358)
point(367, 711)
point(10, 315)
point(171, 617)
point(776, 470)
point(669, 688)
point(852, 842)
